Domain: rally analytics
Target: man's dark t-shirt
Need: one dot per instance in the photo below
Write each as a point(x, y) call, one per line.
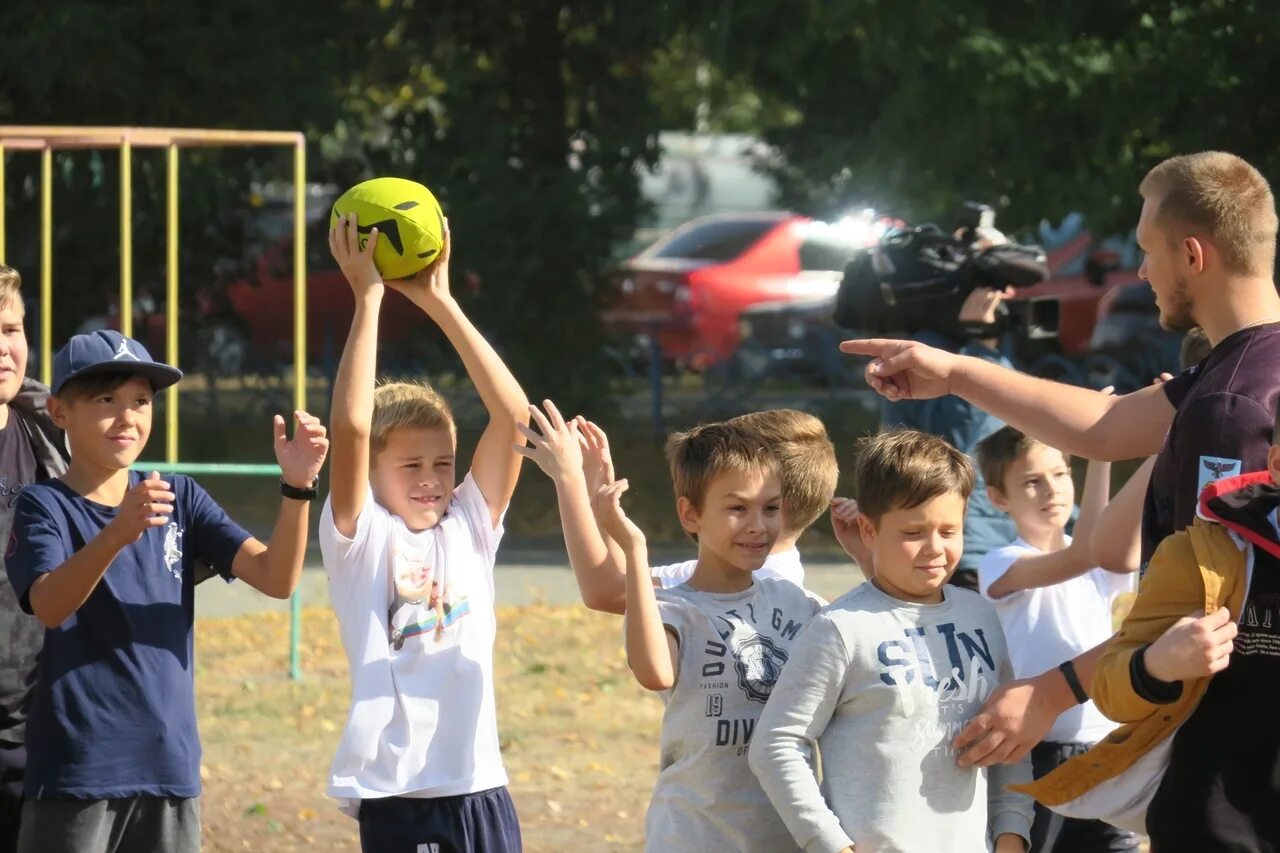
point(1221, 788)
point(20, 635)
point(1226, 410)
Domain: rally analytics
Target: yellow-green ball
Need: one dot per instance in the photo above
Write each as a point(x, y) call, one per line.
point(408, 218)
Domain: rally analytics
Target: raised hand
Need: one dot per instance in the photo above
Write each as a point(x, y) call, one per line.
point(904, 370)
point(355, 261)
point(597, 461)
point(430, 288)
point(556, 445)
point(844, 522)
point(612, 518)
point(148, 504)
point(301, 457)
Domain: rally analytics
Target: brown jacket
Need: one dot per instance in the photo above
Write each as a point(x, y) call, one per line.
point(1201, 567)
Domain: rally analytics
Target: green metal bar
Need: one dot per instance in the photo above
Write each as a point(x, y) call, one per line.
point(210, 468)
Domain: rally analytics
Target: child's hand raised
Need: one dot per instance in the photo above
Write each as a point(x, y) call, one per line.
point(597, 463)
point(429, 288)
point(302, 457)
point(844, 522)
point(146, 505)
point(356, 263)
point(608, 509)
point(556, 446)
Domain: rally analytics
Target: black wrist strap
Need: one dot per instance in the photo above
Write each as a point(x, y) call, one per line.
point(1068, 670)
point(295, 494)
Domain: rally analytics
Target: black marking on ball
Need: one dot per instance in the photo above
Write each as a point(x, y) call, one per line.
point(388, 228)
point(407, 205)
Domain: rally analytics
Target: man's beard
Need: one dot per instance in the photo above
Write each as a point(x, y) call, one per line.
point(1177, 315)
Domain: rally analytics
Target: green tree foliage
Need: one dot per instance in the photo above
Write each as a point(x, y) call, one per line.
point(1043, 108)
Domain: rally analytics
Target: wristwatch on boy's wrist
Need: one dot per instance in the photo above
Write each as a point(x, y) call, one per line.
point(294, 493)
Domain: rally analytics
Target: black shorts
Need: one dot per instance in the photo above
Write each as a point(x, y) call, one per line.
point(483, 822)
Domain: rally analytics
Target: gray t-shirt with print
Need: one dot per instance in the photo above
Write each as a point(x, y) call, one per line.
point(732, 649)
point(858, 750)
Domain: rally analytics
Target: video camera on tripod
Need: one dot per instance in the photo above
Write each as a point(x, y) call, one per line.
point(917, 278)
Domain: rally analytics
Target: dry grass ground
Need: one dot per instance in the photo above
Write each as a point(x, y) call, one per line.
point(579, 735)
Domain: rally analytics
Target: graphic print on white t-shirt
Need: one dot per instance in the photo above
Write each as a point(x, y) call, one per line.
point(423, 601)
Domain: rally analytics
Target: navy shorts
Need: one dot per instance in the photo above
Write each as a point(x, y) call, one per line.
point(483, 822)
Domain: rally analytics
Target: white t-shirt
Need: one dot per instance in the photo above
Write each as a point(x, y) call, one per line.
point(423, 722)
point(1052, 624)
point(784, 565)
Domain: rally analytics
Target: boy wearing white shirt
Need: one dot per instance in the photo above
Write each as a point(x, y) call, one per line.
point(1053, 603)
point(410, 560)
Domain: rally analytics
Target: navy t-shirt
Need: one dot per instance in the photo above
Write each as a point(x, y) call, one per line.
point(1226, 410)
point(113, 713)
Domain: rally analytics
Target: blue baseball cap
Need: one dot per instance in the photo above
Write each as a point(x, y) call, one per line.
point(108, 351)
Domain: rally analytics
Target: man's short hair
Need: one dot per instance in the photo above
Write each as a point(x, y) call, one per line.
point(94, 384)
point(698, 455)
point(1001, 449)
point(10, 286)
point(1222, 198)
point(807, 466)
point(1194, 349)
point(902, 469)
point(397, 405)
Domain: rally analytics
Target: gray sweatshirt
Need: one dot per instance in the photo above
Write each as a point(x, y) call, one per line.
point(855, 745)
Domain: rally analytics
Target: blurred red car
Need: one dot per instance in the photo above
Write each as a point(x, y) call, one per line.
point(688, 289)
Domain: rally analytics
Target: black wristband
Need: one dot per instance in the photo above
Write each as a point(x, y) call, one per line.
point(293, 493)
point(1068, 670)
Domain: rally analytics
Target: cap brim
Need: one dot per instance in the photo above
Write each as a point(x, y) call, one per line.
point(161, 375)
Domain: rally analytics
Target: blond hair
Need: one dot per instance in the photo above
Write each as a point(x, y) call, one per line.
point(1222, 198)
point(902, 469)
point(10, 286)
point(807, 466)
point(397, 405)
point(698, 455)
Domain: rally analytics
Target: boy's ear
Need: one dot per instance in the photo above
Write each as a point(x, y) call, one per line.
point(57, 411)
point(997, 498)
point(1273, 463)
point(688, 514)
point(866, 529)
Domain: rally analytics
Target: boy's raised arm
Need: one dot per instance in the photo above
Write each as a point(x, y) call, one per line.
point(495, 466)
point(351, 414)
point(652, 650)
point(1117, 536)
point(558, 450)
point(274, 569)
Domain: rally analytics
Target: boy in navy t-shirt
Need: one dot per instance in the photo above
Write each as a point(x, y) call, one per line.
point(107, 560)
